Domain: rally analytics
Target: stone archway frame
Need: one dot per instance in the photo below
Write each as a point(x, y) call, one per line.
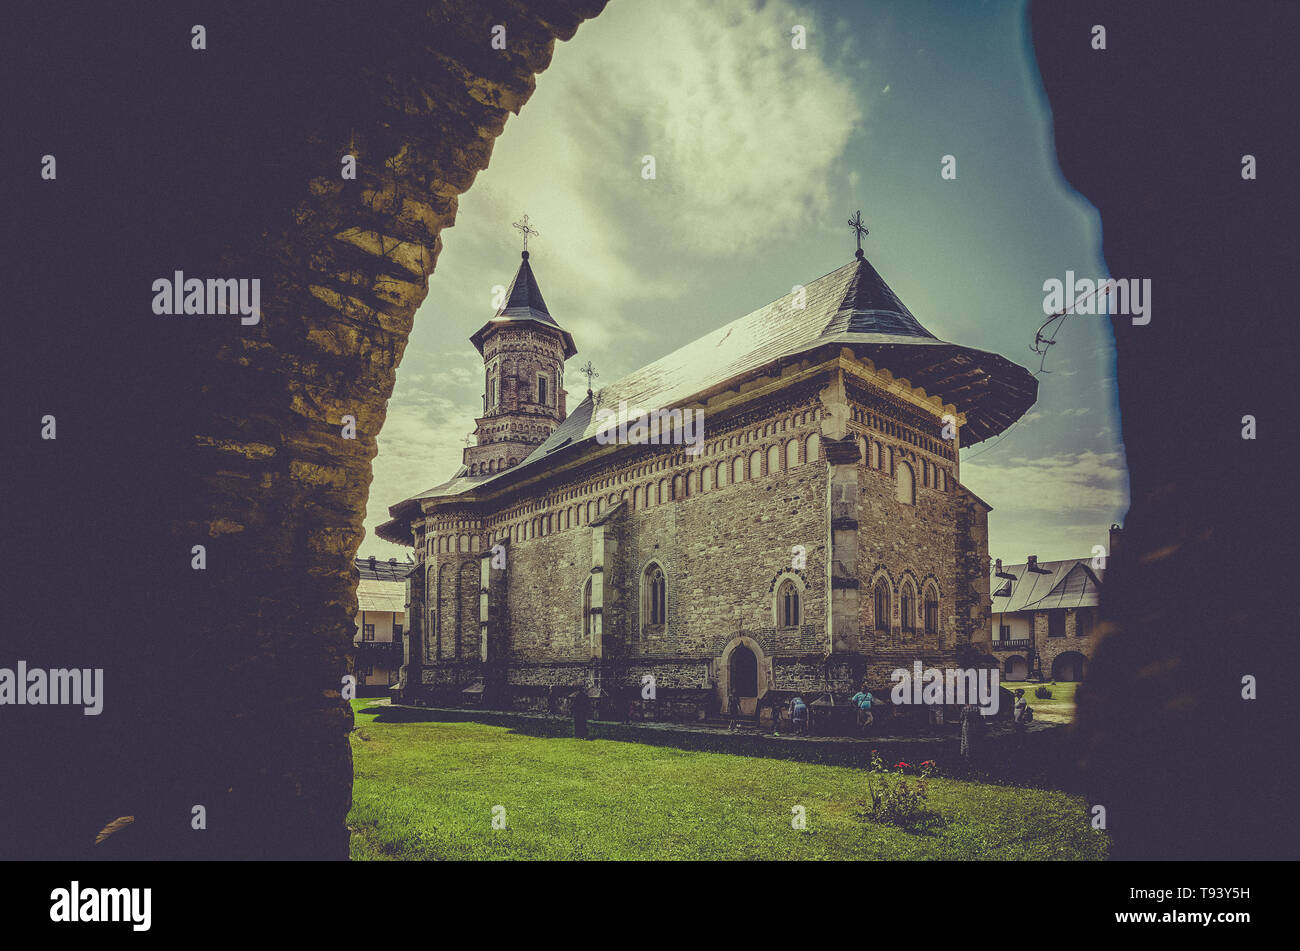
point(766, 678)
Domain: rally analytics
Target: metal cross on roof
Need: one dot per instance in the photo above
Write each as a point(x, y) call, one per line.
point(469, 438)
point(856, 224)
point(590, 372)
point(522, 225)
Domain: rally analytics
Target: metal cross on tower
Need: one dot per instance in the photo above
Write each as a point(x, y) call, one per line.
point(522, 225)
point(859, 229)
point(590, 372)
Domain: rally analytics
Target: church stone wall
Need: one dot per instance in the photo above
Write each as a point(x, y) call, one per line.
point(923, 542)
point(544, 581)
point(721, 551)
point(724, 545)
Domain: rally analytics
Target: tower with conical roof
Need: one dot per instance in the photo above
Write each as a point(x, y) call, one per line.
point(523, 350)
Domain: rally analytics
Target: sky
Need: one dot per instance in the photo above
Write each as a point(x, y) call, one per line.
point(761, 154)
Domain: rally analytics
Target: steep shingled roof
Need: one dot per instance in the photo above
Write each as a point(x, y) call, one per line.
point(851, 306)
point(1071, 583)
point(523, 303)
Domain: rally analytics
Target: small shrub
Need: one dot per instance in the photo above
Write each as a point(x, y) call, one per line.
point(897, 801)
point(1043, 693)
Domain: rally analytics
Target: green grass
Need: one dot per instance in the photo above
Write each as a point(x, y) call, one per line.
point(1059, 709)
point(427, 791)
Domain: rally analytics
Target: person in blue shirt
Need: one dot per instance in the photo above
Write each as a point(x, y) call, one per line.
point(862, 700)
point(799, 714)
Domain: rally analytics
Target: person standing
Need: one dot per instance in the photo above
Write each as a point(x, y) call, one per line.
point(862, 700)
point(581, 709)
point(799, 715)
point(1018, 717)
point(970, 727)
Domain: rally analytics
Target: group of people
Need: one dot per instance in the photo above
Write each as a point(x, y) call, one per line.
point(972, 724)
point(797, 711)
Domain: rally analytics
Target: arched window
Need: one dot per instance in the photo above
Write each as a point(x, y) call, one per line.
point(787, 604)
point(875, 454)
point(654, 598)
point(738, 469)
point(677, 487)
point(814, 446)
point(792, 454)
point(931, 609)
point(907, 608)
point(590, 512)
point(755, 464)
point(773, 458)
point(880, 605)
point(664, 495)
point(722, 474)
point(905, 488)
point(706, 478)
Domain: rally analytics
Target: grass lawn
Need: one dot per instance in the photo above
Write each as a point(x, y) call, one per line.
point(427, 791)
point(1059, 709)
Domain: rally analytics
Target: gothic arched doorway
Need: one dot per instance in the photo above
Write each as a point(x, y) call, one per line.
point(744, 677)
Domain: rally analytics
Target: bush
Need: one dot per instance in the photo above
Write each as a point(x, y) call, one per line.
point(1043, 693)
point(899, 802)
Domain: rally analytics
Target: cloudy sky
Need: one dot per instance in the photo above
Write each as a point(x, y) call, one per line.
point(761, 153)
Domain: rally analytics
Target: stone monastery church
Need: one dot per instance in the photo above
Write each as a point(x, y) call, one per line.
point(821, 537)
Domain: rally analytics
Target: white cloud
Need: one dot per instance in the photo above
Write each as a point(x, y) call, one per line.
point(1061, 483)
point(746, 132)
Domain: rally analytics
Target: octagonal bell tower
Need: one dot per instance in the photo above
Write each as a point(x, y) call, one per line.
point(524, 351)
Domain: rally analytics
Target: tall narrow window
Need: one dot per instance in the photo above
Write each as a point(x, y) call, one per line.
point(654, 597)
point(907, 608)
point(787, 604)
point(931, 610)
point(773, 458)
point(881, 607)
point(541, 391)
